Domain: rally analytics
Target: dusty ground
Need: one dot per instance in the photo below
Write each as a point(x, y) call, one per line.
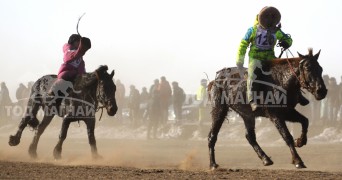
point(21, 170)
point(163, 159)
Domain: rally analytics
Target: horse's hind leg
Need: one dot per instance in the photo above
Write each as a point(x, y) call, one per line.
point(29, 119)
point(250, 136)
point(295, 116)
point(38, 132)
point(91, 137)
point(62, 136)
point(218, 114)
point(33, 121)
point(284, 132)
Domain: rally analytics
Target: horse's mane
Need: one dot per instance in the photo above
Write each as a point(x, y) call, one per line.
point(91, 77)
point(282, 61)
point(295, 60)
point(102, 68)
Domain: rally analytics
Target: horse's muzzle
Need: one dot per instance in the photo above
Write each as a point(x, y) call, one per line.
point(111, 110)
point(321, 93)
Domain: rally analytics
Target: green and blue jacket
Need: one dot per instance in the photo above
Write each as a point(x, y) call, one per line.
point(261, 43)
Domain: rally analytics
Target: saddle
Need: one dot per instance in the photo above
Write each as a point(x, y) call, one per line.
point(232, 75)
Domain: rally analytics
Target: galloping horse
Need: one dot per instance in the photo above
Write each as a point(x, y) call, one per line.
point(287, 77)
point(94, 88)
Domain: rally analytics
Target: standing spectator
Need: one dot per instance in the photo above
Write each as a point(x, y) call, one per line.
point(315, 106)
point(324, 102)
point(332, 101)
point(29, 86)
point(165, 98)
point(340, 103)
point(120, 98)
point(154, 110)
point(144, 96)
point(154, 85)
point(144, 99)
point(178, 98)
point(134, 105)
point(27, 93)
point(5, 101)
point(201, 96)
point(20, 94)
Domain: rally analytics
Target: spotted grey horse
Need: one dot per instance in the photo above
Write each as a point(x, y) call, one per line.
point(88, 92)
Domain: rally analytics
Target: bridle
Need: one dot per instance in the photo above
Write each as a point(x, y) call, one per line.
point(301, 78)
point(99, 96)
point(304, 83)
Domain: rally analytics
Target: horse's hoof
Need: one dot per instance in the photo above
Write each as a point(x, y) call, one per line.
point(213, 167)
point(33, 154)
point(267, 161)
point(33, 151)
point(13, 140)
point(300, 165)
point(299, 142)
point(57, 154)
point(57, 157)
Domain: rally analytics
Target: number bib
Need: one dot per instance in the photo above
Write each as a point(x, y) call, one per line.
point(261, 40)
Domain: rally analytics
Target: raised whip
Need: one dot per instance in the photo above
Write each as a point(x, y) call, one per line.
point(79, 19)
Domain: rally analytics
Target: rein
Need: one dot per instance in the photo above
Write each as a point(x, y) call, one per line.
point(292, 69)
point(302, 83)
point(97, 108)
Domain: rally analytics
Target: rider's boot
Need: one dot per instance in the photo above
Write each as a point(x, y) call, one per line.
point(54, 88)
point(57, 96)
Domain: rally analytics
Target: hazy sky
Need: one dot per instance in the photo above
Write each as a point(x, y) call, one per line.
point(144, 39)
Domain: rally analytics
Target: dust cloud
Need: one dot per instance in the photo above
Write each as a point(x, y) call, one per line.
point(181, 147)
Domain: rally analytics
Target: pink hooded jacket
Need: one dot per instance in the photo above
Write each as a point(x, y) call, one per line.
point(73, 60)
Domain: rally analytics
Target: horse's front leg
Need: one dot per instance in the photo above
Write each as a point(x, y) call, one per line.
point(62, 136)
point(38, 132)
point(90, 122)
point(295, 116)
point(284, 132)
point(251, 137)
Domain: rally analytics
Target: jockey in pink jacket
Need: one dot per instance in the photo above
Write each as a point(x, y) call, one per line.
point(72, 66)
point(74, 51)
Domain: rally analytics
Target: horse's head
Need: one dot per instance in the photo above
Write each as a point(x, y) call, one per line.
point(311, 75)
point(106, 88)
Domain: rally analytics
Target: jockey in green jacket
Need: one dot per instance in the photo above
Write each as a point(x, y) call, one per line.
point(262, 38)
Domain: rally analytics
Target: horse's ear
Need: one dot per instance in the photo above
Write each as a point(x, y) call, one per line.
point(112, 74)
point(300, 55)
point(317, 55)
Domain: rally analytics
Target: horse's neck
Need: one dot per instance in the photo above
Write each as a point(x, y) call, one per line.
point(285, 72)
point(87, 86)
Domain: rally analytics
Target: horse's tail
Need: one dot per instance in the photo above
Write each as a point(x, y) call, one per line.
point(214, 93)
point(210, 86)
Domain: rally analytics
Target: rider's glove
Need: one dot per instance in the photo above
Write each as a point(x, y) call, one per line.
point(284, 44)
point(86, 42)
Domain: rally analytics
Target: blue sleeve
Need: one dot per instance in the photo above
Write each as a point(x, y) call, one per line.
point(248, 34)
